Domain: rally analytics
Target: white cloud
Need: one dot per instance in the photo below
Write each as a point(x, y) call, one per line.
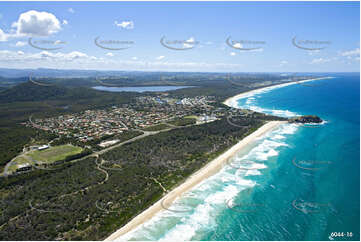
point(313, 52)
point(3, 36)
point(20, 44)
point(70, 10)
point(43, 57)
point(160, 57)
point(65, 22)
point(48, 57)
point(79, 60)
point(34, 23)
point(125, 24)
point(134, 58)
point(60, 56)
point(322, 60)
point(355, 52)
point(110, 54)
point(232, 54)
point(283, 63)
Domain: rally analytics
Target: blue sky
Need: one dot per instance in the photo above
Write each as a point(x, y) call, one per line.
point(268, 27)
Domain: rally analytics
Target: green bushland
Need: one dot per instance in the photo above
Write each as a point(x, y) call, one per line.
point(14, 138)
point(183, 121)
point(170, 157)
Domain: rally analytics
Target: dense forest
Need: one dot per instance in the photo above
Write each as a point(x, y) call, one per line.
point(13, 139)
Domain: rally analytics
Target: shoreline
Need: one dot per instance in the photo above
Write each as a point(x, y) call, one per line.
point(196, 178)
point(233, 100)
point(209, 169)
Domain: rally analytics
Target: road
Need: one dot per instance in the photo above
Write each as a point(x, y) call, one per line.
point(97, 153)
point(39, 84)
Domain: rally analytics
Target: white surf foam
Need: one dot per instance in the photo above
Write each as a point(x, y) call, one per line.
point(213, 193)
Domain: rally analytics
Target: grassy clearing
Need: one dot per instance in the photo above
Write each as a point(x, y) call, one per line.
point(191, 116)
point(55, 153)
point(156, 127)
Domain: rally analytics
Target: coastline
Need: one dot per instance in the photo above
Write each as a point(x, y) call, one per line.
point(208, 170)
point(232, 101)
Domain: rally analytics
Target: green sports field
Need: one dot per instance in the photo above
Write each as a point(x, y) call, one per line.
point(55, 153)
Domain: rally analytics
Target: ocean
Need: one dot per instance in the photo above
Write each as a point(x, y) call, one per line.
point(297, 182)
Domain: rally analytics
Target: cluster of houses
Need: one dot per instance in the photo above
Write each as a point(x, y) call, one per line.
point(146, 111)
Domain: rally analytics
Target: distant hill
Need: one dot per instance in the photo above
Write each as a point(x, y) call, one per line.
point(13, 80)
point(31, 92)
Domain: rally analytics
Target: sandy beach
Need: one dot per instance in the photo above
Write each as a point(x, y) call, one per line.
point(232, 101)
point(210, 169)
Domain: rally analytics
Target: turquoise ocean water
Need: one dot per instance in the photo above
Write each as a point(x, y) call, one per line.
point(294, 183)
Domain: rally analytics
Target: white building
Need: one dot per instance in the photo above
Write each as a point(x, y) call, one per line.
point(43, 147)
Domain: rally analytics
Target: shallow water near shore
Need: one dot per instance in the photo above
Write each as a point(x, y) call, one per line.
point(294, 183)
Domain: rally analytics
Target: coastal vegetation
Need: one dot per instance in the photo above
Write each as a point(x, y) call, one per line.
point(89, 199)
point(306, 119)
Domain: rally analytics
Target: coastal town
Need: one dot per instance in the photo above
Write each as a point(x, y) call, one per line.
point(146, 111)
